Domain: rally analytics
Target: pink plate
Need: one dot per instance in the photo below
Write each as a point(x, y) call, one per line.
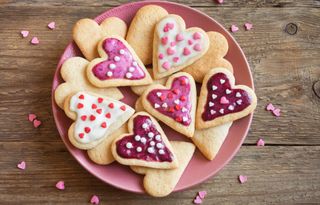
point(199, 168)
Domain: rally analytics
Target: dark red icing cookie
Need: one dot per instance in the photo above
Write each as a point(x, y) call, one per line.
point(145, 144)
point(174, 102)
point(222, 99)
point(120, 63)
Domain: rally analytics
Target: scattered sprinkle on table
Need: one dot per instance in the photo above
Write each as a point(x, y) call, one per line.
point(34, 41)
point(94, 199)
point(22, 165)
point(24, 33)
point(234, 28)
point(243, 179)
point(248, 26)
point(260, 143)
point(52, 25)
point(60, 185)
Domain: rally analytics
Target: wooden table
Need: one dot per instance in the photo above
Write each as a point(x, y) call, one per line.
point(283, 50)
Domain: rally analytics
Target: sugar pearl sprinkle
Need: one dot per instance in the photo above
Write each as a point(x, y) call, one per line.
point(116, 58)
point(161, 151)
point(159, 145)
point(143, 140)
point(139, 149)
point(158, 137)
point(150, 134)
point(137, 138)
point(145, 126)
point(128, 75)
point(152, 143)
point(129, 145)
point(150, 150)
point(131, 69)
point(121, 51)
point(112, 66)
point(134, 63)
point(109, 73)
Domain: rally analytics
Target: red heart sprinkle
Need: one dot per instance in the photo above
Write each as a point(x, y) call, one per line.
point(176, 91)
point(81, 97)
point(162, 97)
point(32, 117)
point(183, 82)
point(36, 123)
point(99, 111)
point(92, 117)
point(93, 106)
point(104, 124)
point(179, 119)
point(170, 95)
point(111, 105)
point(178, 107)
point(183, 98)
point(87, 129)
point(108, 115)
point(100, 100)
point(123, 107)
point(171, 109)
point(83, 117)
point(80, 105)
point(81, 135)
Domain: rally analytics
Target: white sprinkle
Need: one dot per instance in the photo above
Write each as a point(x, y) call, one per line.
point(158, 137)
point(214, 87)
point(184, 109)
point(156, 105)
point(212, 112)
point(239, 102)
point(211, 104)
point(184, 119)
point(214, 96)
point(134, 63)
point(112, 66)
point(222, 81)
point(231, 107)
point(129, 145)
point(150, 149)
point(159, 94)
point(159, 145)
point(164, 105)
point(109, 73)
point(139, 149)
point(150, 134)
point(137, 138)
point(221, 111)
point(121, 51)
point(152, 143)
point(145, 126)
point(238, 95)
point(128, 75)
point(143, 140)
point(116, 58)
point(228, 91)
point(177, 101)
point(131, 69)
point(161, 151)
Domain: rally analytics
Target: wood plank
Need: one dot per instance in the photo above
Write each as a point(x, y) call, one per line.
point(276, 174)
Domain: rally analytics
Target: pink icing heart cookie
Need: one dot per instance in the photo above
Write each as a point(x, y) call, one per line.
point(173, 104)
point(175, 47)
point(118, 65)
point(146, 145)
point(222, 101)
point(96, 117)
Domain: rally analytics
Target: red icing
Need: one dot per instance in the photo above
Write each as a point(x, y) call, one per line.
point(119, 62)
point(140, 149)
point(169, 103)
point(227, 100)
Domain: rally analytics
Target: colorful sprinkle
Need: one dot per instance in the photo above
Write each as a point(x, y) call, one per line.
point(260, 143)
point(52, 25)
point(36, 123)
point(34, 41)
point(248, 26)
point(242, 179)
point(22, 165)
point(94, 199)
point(60, 185)
point(31, 117)
point(234, 28)
point(24, 33)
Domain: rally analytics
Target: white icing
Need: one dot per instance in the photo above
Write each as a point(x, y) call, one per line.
point(159, 94)
point(97, 131)
point(184, 109)
point(177, 101)
point(184, 119)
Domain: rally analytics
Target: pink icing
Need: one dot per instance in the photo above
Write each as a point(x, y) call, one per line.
point(120, 63)
point(145, 143)
point(222, 99)
point(174, 102)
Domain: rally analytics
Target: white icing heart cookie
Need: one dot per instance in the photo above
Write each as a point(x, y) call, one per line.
point(95, 118)
point(175, 47)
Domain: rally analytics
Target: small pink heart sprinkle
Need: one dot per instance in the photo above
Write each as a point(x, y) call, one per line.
point(35, 41)
point(36, 123)
point(52, 25)
point(94, 199)
point(31, 117)
point(224, 100)
point(220, 1)
point(260, 142)
point(197, 200)
point(202, 194)
point(22, 165)
point(270, 107)
point(166, 65)
point(248, 26)
point(276, 112)
point(24, 34)
point(60, 185)
point(243, 179)
point(234, 28)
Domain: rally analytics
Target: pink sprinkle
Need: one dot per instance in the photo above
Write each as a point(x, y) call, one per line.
point(94, 199)
point(196, 36)
point(160, 56)
point(220, 1)
point(202, 194)
point(224, 100)
point(164, 40)
point(242, 179)
point(166, 65)
point(197, 47)
point(35, 41)
point(276, 112)
point(31, 117)
point(170, 51)
point(234, 28)
point(197, 200)
point(186, 51)
point(260, 143)
point(248, 26)
point(190, 42)
point(270, 107)
point(36, 123)
point(60, 185)
point(173, 43)
point(179, 37)
point(176, 59)
point(52, 25)
point(168, 27)
point(24, 33)
point(22, 165)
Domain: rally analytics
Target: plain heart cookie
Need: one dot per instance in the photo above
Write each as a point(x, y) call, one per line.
point(87, 33)
point(175, 47)
point(141, 30)
point(96, 117)
point(146, 145)
point(222, 101)
point(118, 65)
point(173, 104)
point(73, 72)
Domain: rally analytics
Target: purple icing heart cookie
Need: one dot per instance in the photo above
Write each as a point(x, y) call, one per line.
point(173, 104)
point(222, 101)
point(118, 65)
point(146, 145)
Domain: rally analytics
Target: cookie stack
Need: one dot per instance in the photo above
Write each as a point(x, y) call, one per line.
point(177, 57)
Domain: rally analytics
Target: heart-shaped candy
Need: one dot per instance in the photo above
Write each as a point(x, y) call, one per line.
point(52, 25)
point(34, 41)
point(24, 33)
point(146, 145)
point(243, 179)
point(221, 101)
point(22, 165)
point(119, 65)
point(202, 194)
point(173, 104)
point(31, 117)
point(60, 185)
point(197, 200)
point(94, 199)
point(176, 47)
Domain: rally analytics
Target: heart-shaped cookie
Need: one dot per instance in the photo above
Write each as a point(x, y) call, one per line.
point(95, 118)
point(118, 65)
point(87, 33)
point(175, 47)
point(222, 101)
point(173, 104)
point(146, 145)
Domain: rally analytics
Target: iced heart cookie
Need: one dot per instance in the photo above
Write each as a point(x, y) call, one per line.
point(101, 154)
point(173, 104)
point(210, 140)
point(118, 65)
point(222, 101)
point(140, 89)
point(141, 30)
point(96, 117)
point(73, 72)
point(175, 47)
point(87, 33)
point(214, 57)
point(146, 145)
point(160, 182)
